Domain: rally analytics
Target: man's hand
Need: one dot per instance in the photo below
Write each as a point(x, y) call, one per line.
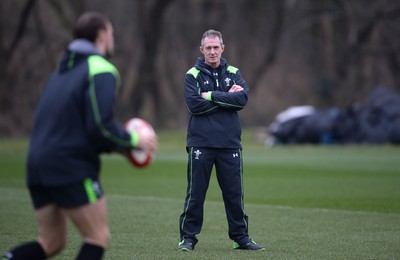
point(235, 88)
point(204, 95)
point(147, 142)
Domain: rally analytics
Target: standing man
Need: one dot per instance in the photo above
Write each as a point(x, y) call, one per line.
point(214, 92)
point(75, 123)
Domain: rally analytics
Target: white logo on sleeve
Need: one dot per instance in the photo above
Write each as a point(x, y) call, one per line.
point(235, 155)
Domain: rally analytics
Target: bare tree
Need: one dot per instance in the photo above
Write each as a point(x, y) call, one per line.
point(292, 52)
point(150, 20)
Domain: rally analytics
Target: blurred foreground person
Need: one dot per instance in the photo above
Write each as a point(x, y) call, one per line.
point(74, 123)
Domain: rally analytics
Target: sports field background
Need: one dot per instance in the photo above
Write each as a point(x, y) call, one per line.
point(303, 202)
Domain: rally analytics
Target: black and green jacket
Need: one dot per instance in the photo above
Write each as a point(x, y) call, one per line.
point(214, 123)
point(74, 119)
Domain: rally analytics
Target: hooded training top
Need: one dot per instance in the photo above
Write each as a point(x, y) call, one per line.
point(74, 119)
point(214, 122)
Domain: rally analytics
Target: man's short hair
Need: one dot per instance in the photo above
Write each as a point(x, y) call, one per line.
point(89, 24)
point(212, 34)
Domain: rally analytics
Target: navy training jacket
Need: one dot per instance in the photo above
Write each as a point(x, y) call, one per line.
point(74, 119)
point(214, 123)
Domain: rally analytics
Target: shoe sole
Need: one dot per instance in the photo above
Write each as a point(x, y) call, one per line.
point(261, 249)
point(184, 249)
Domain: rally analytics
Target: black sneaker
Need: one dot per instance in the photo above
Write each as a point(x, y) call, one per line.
point(185, 246)
point(249, 246)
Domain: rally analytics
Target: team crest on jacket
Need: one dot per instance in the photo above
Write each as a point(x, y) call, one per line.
point(197, 154)
point(227, 81)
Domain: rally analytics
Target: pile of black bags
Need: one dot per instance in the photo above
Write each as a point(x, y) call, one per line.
point(377, 121)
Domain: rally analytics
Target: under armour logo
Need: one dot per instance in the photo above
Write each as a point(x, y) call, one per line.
point(97, 189)
point(197, 154)
point(235, 155)
point(206, 82)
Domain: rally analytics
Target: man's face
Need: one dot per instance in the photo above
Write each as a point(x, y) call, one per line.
point(212, 50)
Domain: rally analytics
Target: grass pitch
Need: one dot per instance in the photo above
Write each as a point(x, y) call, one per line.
point(303, 202)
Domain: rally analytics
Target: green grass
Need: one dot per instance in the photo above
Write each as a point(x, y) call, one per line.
point(304, 202)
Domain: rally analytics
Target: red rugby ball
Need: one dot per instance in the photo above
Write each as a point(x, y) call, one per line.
point(140, 157)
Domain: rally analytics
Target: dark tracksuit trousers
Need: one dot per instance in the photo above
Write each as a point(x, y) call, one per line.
point(229, 169)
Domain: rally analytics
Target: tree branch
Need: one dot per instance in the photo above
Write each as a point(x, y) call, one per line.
point(21, 28)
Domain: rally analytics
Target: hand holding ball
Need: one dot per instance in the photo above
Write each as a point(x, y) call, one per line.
point(143, 154)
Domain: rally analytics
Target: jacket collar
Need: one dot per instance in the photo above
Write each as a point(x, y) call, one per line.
point(201, 65)
point(83, 46)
